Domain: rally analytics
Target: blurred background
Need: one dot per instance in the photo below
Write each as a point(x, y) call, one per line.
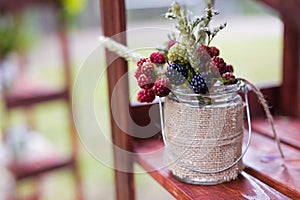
point(45, 45)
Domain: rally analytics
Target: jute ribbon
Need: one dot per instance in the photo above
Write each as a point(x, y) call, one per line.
point(264, 104)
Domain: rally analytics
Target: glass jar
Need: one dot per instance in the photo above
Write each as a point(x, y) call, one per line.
point(203, 134)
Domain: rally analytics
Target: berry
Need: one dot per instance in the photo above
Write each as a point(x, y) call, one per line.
point(146, 95)
point(178, 54)
point(177, 74)
point(202, 49)
point(137, 73)
point(147, 68)
point(229, 68)
point(146, 82)
point(229, 78)
point(198, 84)
point(220, 63)
point(162, 87)
point(213, 51)
point(157, 58)
point(141, 61)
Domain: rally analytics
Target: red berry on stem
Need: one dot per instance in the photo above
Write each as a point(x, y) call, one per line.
point(229, 78)
point(137, 73)
point(220, 63)
point(213, 51)
point(146, 82)
point(157, 58)
point(141, 61)
point(147, 68)
point(146, 95)
point(162, 87)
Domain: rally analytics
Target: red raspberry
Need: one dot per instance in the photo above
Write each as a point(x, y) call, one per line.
point(141, 61)
point(229, 68)
point(147, 68)
point(162, 87)
point(157, 58)
point(220, 63)
point(229, 78)
point(202, 49)
point(146, 82)
point(213, 51)
point(137, 73)
point(146, 95)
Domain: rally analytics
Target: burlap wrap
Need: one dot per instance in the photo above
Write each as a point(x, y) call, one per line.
point(204, 138)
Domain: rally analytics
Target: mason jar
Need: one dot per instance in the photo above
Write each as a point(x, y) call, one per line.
point(203, 134)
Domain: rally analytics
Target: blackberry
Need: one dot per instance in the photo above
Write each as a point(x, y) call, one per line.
point(162, 87)
point(177, 74)
point(146, 95)
point(146, 82)
point(198, 84)
point(177, 53)
point(157, 58)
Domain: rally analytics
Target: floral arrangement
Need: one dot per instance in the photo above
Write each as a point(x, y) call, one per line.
point(191, 61)
point(187, 60)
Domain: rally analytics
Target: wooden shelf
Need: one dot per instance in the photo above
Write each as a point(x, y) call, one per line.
point(32, 169)
point(246, 186)
point(34, 154)
point(263, 162)
point(288, 129)
point(18, 100)
point(27, 91)
point(10, 5)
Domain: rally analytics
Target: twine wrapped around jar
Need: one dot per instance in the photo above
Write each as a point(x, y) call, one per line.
point(204, 138)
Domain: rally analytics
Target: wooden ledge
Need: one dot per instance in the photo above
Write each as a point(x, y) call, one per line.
point(288, 129)
point(246, 186)
point(33, 169)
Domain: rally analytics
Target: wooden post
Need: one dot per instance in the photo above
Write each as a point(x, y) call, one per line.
point(290, 90)
point(113, 18)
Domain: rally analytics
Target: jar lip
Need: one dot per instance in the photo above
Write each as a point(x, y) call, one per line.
point(214, 91)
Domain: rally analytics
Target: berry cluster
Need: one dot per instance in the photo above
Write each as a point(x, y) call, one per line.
point(177, 74)
point(178, 71)
point(213, 68)
point(147, 78)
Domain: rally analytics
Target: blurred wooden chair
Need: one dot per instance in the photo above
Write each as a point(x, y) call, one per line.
point(27, 92)
point(274, 180)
